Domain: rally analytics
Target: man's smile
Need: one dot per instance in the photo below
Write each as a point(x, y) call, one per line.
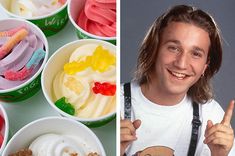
point(179, 76)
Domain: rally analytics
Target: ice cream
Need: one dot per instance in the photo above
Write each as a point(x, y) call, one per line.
point(86, 87)
point(98, 17)
point(53, 144)
point(35, 8)
point(21, 55)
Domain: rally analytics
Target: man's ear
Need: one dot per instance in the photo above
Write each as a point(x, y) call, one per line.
point(205, 67)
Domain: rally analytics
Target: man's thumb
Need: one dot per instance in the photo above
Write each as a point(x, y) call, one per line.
point(209, 124)
point(137, 124)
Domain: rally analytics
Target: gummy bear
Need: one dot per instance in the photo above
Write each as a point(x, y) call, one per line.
point(1, 140)
point(1, 122)
point(100, 61)
point(65, 106)
point(104, 88)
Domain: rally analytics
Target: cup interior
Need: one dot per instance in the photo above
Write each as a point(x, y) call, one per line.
point(9, 23)
point(6, 5)
point(58, 125)
point(56, 63)
point(74, 9)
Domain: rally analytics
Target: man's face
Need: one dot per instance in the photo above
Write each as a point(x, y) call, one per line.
point(181, 59)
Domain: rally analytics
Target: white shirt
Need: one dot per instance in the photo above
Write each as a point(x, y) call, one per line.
point(169, 126)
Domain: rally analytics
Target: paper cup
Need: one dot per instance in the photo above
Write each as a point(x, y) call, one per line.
point(74, 9)
point(5, 129)
point(55, 64)
point(50, 24)
point(57, 125)
point(32, 85)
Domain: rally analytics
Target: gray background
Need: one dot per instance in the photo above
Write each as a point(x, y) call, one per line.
point(138, 15)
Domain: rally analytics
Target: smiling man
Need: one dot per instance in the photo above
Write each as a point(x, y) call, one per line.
point(169, 107)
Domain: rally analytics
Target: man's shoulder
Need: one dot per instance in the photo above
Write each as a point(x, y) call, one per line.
point(212, 110)
point(212, 104)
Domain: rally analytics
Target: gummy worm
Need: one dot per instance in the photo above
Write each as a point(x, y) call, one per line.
point(11, 32)
point(17, 37)
point(38, 55)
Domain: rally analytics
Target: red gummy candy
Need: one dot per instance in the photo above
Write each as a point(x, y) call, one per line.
point(1, 139)
point(19, 75)
point(1, 122)
point(104, 88)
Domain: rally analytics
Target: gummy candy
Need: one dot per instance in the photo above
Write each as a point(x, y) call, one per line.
point(100, 61)
point(1, 139)
point(1, 122)
point(17, 37)
point(11, 32)
point(65, 106)
point(74, 85)
point(104, 88)
point(38, 55)
point(1, 126)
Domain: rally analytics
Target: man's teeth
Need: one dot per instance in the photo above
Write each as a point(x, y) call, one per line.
point(178, 75)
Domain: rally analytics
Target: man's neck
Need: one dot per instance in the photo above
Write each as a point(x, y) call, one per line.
point(160, 97)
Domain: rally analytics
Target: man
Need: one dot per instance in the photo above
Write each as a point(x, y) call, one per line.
point(171, 107)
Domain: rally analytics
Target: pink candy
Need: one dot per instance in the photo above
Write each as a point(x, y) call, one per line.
point(20, 75)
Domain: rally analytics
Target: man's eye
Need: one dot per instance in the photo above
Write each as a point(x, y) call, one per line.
point(173, 49)
point(197, 54)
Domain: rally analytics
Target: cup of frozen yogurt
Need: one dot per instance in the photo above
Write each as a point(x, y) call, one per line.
point(4, 128)
point(54, 136)
point(94, 19)
point(49, 15)
point(79, 81)
point(23, 54)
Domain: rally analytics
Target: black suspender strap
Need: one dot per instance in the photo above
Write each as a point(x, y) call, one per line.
point(196, 123)
point(127, 99)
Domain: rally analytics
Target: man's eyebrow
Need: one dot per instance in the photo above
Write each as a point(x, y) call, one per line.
point(172, 41)
point(199, 49)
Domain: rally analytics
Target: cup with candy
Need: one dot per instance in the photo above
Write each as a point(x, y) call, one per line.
point(79, 81)
point(4, 128)
point(94, 19)
point(54, 136)
point(23, 54)
point(49, 15)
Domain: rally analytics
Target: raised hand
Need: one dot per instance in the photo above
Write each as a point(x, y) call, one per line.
point(219, 137)
point(128, 133)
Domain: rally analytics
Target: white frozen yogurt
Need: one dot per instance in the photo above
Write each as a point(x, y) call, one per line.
point(34, 8)
point(58, 145)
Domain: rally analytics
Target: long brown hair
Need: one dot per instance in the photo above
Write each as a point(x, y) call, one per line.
point(201, 91)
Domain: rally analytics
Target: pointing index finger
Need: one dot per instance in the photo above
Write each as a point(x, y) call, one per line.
point(228, 114)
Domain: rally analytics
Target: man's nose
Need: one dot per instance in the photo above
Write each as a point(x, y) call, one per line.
point(181, 61)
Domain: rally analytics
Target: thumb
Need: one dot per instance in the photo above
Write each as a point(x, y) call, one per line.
point(209, 124)
point(137, 123)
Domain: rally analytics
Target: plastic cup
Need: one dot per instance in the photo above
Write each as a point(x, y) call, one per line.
point(55, 64)
point(50, 24)
point(74, 9)
point(57, 125)
point(32, 85)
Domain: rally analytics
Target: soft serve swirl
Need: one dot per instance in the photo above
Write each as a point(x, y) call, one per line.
point(77, 81)
point(35, 8)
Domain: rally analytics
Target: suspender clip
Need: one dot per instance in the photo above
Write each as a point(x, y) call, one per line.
point(196, 122)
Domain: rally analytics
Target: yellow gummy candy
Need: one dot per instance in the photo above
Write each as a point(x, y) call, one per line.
point(74, 85)
point(100, 61)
